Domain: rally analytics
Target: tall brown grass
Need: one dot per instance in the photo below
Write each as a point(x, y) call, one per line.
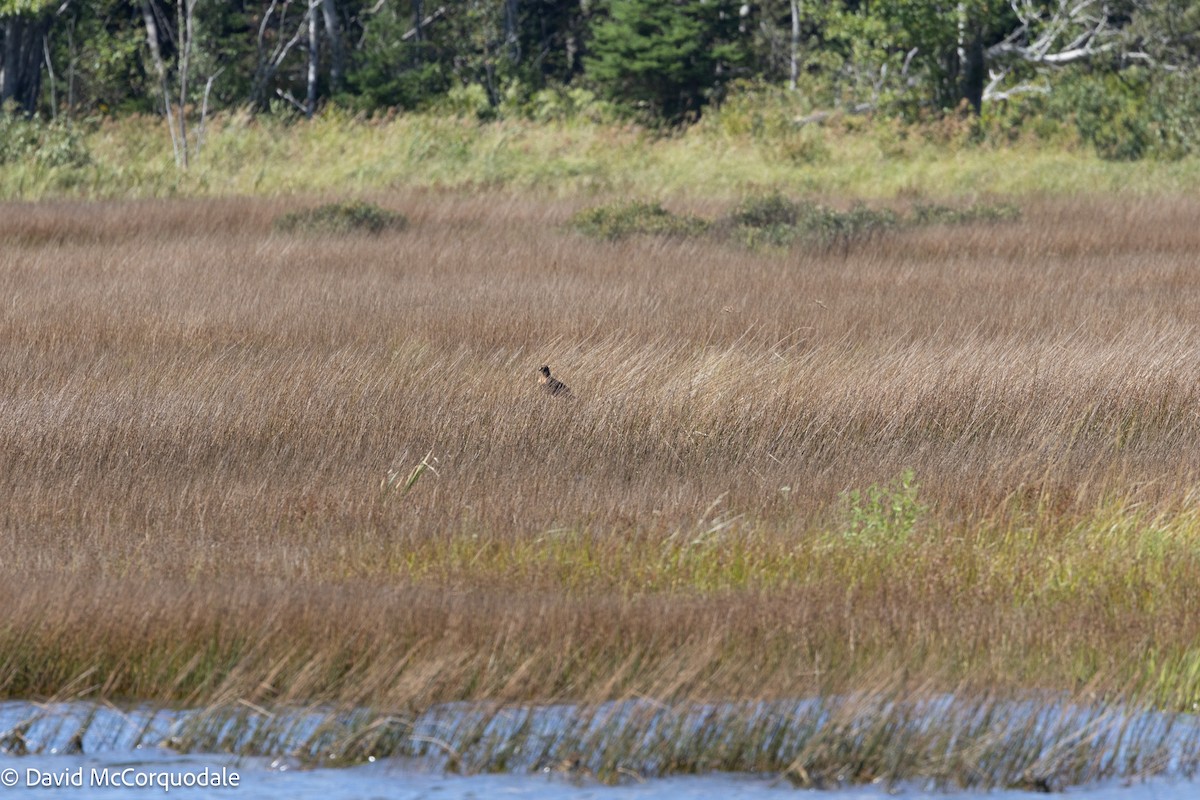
point(199, 417)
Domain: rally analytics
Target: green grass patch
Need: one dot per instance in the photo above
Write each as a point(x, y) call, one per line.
point(263, 155)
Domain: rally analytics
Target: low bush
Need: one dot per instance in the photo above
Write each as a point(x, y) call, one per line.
point(1130, 115)
point(341, 218)
point(618, 220)
point(48, 144)
point(830, 228)
point(767, 236)
point(765, 211)
point(775, 220)
point(936, 214)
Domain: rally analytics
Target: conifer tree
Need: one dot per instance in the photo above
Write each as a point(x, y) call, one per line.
point(664, 57)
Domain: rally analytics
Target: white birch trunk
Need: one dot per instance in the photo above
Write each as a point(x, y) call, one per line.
point(314, 43)
point(795, 59)
point(161, 69)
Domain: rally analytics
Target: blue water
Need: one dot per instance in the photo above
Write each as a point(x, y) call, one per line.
point(123, 756)
point(262, 779)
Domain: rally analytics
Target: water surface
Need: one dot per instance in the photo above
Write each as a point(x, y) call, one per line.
point(128, 753)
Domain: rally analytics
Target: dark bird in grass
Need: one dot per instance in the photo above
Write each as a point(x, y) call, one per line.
point(552, 386)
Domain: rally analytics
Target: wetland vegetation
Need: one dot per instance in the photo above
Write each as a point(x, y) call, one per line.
point(250, 468)
point(880, 327)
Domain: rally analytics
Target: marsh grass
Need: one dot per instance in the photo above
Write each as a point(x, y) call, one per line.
point(965, 455)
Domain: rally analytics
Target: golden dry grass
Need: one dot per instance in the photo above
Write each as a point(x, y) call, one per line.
point(199, 417)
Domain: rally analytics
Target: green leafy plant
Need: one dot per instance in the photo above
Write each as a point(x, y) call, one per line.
point(882, 517)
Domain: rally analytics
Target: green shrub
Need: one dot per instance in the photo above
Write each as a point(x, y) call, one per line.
point(469, 101)
point(1173, 108)
point(828, 227)
point(935, 214)
point(1136, 113)
point(618, 220)
point(765, 211)
point(767, 236)
point(803, 145)
point(340, 218)
point(776, 221)
point(1107, 116)
point(560, 104)
point(47, 144)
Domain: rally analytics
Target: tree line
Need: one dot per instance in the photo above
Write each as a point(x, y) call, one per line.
point(663, 61)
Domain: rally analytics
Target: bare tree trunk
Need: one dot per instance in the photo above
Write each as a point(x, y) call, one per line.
point(573, 44)
point(50, 72)
point(418, 15)
point(71, 69)
point(795, 56)
point(314, 44)
point(972, 70)
point(161, 69)
point(960, 15)
point(337, 51)
point(21, 59)
point(512, 37)
point(269, 60)
point(975, 74)
point(204, 110)
point(184, 17)
point(418, 31)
